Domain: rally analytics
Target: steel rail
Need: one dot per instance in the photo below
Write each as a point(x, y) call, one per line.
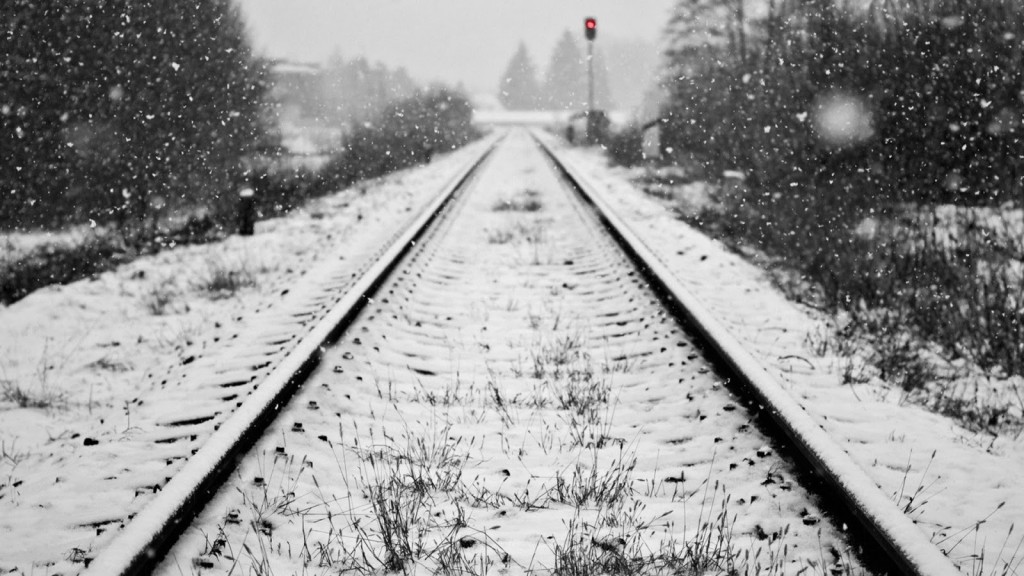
point(149, 535)
point(906, 545)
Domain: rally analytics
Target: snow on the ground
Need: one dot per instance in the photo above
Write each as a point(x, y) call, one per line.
point(15, 244)
point(948, 477)
point(77, 362)
point(547, 419)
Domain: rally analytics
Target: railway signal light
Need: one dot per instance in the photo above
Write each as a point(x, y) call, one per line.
point(590, 28)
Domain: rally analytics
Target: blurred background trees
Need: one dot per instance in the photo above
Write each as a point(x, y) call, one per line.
point(564, 84)
point(406, 132)
point(520, 89)
point(354, 90)
point(565, 78)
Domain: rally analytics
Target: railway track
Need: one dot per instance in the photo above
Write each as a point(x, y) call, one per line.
point(510, 387)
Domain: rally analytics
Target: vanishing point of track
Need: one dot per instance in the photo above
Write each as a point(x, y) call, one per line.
point(517, 275)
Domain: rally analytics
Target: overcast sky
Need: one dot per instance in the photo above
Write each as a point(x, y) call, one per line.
point(468, 41)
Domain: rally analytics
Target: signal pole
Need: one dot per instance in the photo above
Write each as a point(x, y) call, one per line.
point(590, 78)
point(590, 31)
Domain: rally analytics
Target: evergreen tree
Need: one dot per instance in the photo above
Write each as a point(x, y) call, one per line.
point(519, 88)
point(121, 107)
point(565, 83)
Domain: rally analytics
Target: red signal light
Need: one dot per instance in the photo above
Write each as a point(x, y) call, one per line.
point(591, 23)
point(590, 28)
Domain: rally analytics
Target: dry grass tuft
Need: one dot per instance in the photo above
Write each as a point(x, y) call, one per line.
point(526, 201)
point(224, 278)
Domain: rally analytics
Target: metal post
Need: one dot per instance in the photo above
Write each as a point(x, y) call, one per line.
point(590, 77)
point(246, 211)
point(591, 137)
point(590, 32)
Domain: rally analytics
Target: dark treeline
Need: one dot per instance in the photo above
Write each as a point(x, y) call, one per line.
point(145, 119)
point(911, 100)
point(403, 134)
point(115, 110)
point(851, 121)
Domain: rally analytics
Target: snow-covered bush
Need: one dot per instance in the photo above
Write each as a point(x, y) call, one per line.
point(406, 133)
point(23, 271)
point(625, 147)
